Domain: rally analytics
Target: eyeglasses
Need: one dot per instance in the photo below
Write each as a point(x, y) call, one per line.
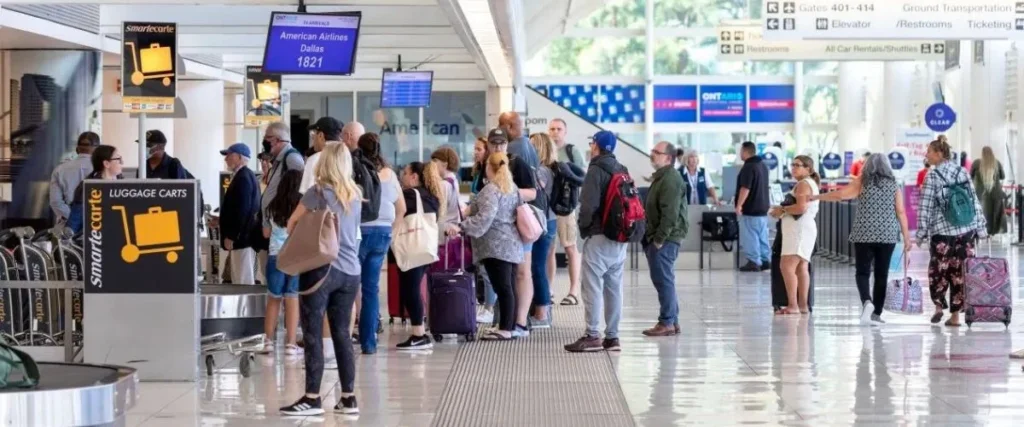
point(797, 165)
point(117, 159)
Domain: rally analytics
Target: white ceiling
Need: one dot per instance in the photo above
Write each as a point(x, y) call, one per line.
point(418, 30)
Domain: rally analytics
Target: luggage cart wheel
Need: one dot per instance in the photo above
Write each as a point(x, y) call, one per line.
point(209, 364)
point(167, 81)
point(245, 365)
point(138, 78)
point(172, 257)
point(438, 337)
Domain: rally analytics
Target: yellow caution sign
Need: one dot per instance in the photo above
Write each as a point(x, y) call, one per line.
point(155, 232)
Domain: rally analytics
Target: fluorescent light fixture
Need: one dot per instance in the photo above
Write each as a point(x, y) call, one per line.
point(478, 17)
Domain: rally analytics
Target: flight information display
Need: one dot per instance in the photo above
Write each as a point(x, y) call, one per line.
point(904, 19)
point(308, 43)
point(406, 89)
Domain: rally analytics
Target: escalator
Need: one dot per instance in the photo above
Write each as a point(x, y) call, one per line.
point(580, 123)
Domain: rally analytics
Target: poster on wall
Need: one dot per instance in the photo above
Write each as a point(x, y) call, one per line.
point(723, 104)
point(675, 104)
point(149, 55)
point(915, 141)
point(262, 96)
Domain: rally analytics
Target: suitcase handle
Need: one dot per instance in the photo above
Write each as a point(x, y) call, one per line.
point(155, 209)
point(462, 250)
point(154, 45)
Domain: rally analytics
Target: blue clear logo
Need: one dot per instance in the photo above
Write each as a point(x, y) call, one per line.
point(832, 161)
point(939, 117)
point(897, 161)
point(771, 161)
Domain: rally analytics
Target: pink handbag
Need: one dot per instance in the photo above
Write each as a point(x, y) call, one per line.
point(527, 223)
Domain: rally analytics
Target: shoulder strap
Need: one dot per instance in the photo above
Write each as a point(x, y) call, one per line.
point(568, 153)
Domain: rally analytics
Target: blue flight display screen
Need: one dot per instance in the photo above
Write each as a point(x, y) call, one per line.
point(675, 104)
point(723, 104)
point(406, 89)
point(301, 43)
point(771, 103)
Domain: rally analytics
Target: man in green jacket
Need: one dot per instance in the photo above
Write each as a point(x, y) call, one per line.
point(666, 228)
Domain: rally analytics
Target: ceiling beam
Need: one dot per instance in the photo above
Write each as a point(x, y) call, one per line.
point(228, 16)
point(394, 51)
point(261, 29)
point(365, 41)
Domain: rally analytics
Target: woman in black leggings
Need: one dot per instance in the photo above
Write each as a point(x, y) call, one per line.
point(421, 181)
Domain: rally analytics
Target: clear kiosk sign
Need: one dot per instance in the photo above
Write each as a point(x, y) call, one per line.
point(902, 20)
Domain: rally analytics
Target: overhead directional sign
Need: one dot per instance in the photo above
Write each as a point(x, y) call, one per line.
point(900, 20)
point(744, 41)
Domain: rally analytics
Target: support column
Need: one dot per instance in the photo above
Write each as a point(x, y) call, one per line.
point(896, 102)
point(200, 137)
point(649, 74)
point(852, 124)
point(122, 131)
point(798, 107)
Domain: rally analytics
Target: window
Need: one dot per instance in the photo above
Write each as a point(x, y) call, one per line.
point(821, 103)
point(697, 13)
point(453, 118)
point(616, 14)
point(821, 68)
point(685, 56)
point(574, 56)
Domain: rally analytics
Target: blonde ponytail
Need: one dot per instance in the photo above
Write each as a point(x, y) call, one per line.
point(498, 163)
point(435, 185)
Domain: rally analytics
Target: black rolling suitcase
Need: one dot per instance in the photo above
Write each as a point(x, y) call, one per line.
point(779, 297)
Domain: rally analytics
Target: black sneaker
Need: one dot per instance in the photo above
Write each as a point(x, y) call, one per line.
point(750, 267)
point(305, 406)
point(347, 405)
point(611, 344)
point(585, 345)
point(765, 266)
point(416, 343)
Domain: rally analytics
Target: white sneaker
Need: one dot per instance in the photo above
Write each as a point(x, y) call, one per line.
point(268, 347)
point(865, 314)
point(293, 350)
point(484, 316)
point(331, 363)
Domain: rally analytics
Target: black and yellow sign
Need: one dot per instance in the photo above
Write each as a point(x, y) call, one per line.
point(149, 55)
point(262, 97)
point(140, 236)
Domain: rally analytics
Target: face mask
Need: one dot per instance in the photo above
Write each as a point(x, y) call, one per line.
point(153, 151)
point(266, 146)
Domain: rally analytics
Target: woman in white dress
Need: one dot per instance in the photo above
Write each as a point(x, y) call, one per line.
point(799, 231)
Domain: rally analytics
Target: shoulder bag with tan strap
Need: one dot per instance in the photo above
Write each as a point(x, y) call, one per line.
point(313, 243)
point(415, 238)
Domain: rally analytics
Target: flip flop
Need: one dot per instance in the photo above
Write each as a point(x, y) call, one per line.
point(951, 324)
point(570, 300)
point(786, 312)
point(495, 336)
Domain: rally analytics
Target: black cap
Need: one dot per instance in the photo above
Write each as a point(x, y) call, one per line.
point(497, 136)
point(327, 125)
point(155, 137)
point(88, 139)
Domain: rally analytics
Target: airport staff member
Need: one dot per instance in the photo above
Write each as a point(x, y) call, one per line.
point(67, 176)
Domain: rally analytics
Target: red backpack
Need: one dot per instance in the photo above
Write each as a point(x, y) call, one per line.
point(623, 218)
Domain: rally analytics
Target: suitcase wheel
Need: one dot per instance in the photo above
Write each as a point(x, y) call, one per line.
point(438, 337)
point(391, 321)
point(245, 365)
point(1008, 311)
point(209, 364)
point(969, 316)
point(470, 337)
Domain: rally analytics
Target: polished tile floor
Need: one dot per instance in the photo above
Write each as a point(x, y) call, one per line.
point(734, 364)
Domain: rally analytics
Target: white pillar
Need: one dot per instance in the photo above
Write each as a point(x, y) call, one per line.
point(798, 106)
point(200, 137)
point(122, 131)
point(897, 102)
point(649, 74)
point(852, 124)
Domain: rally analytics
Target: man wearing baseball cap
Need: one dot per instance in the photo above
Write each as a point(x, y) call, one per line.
point(160, 164)
point(603, 258)
point(238, 213)
point(67, 176)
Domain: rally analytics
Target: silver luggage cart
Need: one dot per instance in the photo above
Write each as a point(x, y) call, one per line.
point(244, 349)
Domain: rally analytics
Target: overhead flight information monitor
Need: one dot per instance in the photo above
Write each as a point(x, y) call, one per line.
point(406, 89)
point(902, 20)
point(310, 43)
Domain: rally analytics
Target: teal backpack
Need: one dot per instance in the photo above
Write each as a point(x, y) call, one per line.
point(959, 210)
point(11, 360)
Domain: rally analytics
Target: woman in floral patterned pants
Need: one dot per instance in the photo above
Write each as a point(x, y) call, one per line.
point(946, 271)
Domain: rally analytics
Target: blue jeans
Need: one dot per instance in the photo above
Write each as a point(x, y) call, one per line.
point(538, 266)
point(754, 239)
point(372, 250)
point(662, 263)
point(280, 285)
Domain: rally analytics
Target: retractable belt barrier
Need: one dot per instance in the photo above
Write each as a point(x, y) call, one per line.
point(835, 223)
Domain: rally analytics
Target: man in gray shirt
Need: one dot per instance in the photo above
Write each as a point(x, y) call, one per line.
point(519, 143)
point(68, 175)
point(286, 158)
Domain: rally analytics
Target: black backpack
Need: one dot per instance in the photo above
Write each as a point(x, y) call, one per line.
point(565, 197)
point(366, 178)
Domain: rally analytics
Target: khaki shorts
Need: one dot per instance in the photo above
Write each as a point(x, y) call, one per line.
point(568, 230)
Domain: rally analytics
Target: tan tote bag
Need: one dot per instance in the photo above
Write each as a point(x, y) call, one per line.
point(415, 238)
point(313, 243)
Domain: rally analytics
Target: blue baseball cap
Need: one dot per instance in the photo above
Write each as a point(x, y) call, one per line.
point(237, 148)
point(605, 140)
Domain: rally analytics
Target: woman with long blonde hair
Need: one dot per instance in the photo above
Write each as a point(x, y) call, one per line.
point(542, 267)
point(495, 239)
point(331, 289)
point(419, 181)
point(988, 175)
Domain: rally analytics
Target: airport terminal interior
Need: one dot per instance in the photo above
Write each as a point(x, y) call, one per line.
point(138, 136)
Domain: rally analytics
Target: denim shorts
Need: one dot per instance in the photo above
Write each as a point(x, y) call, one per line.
point(280, 285)
point(527, 247)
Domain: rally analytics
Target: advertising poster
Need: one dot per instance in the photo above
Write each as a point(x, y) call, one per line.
point(911, 198)
point(138, 228)
point(675, 104)
point(915, 141)
point(723, 104)
point(149, 53)
point(771, 104)
point(262, 96)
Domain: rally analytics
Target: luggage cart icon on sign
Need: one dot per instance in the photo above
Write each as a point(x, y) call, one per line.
point(156, 231)
point(264, 92)
point(156, 62)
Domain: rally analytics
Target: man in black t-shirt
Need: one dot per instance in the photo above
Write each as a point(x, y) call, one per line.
point(752, 203)
point(522, 176)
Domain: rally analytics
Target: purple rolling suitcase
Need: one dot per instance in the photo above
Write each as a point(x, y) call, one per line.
point(988, 296)
point(452, 294)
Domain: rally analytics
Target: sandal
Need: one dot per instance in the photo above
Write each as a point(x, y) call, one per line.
point(784, 311)
point(496, 336)
point(951, 324)
point(937, 317)
point(570, 300)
